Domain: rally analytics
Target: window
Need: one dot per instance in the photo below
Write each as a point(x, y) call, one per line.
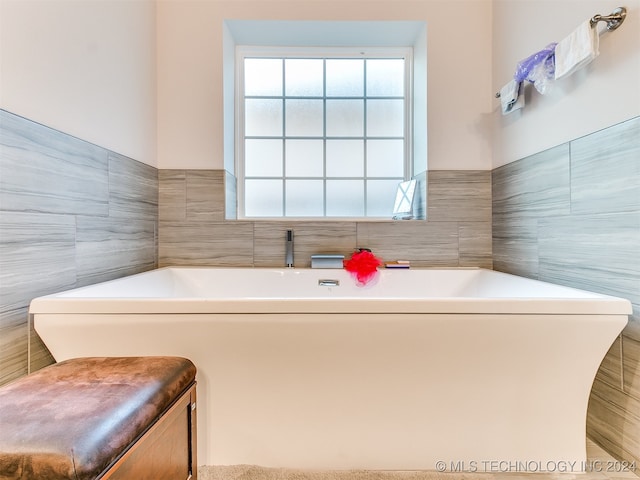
point(322, 133)
point(323, 40)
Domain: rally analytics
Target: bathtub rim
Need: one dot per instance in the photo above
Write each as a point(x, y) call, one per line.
point(594, 303)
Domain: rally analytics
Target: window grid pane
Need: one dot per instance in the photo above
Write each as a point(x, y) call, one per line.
point(350, 125)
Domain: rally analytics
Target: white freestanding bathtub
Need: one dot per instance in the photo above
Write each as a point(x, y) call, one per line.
point(423, 369)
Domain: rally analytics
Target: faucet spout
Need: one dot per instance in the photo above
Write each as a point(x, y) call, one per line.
point(288, 256)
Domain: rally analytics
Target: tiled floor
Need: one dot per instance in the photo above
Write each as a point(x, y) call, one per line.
point(600, 466)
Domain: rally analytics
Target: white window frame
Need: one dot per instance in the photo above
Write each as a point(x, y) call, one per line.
point(244, 51)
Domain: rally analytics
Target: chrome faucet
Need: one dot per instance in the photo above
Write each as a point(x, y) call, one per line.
point(288, 256)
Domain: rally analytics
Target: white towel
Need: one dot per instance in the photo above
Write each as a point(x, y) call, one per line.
point(510, 98)
point(576, 50)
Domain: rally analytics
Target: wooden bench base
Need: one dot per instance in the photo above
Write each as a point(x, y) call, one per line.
point(162, 452)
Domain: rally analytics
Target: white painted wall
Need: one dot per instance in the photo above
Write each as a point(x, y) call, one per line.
point(604, 93)
point(89, 68)
point(190, 73)
point(85, 67)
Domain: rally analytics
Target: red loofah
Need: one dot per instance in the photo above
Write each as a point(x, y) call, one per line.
point(363, 266)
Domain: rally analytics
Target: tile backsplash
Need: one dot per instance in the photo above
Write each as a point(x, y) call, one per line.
point(71, 214)
point(193, 229)
point(571, 215)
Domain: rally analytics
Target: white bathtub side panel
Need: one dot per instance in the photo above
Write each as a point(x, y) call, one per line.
point(369, 391)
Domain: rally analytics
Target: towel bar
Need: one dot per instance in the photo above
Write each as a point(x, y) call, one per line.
point(614, 20)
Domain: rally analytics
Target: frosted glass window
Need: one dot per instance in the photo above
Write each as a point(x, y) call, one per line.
point(322, 136)
point(345, 198)
point(304, 158)
point(385, 158)
point(345, 78)
point(385, 118)
point(305, 198)
point(304, 118)
point(263, 158)
point(385, 77)
point(304, 77)
point(345, 158)
point(381, 195)
point(345, 118)
point(263, 76)
point(263, 117)
point(263, 198)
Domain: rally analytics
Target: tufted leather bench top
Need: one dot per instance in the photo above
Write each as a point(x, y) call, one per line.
point(71, 420)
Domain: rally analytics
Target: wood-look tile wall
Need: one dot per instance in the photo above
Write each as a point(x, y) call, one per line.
point(571, 215)
point(193, 229)
point(71, 214)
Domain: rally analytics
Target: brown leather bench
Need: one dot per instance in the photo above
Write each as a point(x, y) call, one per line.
point(101, 418)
